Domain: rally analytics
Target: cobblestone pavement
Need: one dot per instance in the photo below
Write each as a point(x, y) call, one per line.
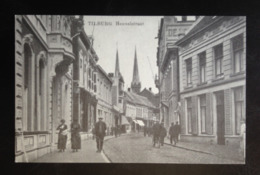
point(135, 148)
point(87, 154)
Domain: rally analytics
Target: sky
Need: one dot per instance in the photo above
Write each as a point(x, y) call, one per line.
point(108, 37)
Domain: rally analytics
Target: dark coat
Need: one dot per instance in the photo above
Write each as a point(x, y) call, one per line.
point(62, 139)
point(171, 130)
point(176, 130)
point(100, 128)
point(156, 129)
point(75, 136)
point(163, 132)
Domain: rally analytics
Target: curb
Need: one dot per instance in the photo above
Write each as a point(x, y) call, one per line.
point(204, 152)
point(103, 151)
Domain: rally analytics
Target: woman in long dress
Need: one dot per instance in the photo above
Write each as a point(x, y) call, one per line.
point(75, 136)
point(62, 139)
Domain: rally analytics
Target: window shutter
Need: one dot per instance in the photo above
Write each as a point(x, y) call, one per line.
point(209, 120)
point(194, 115)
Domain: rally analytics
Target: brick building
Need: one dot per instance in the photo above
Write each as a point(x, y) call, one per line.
point(212, 75)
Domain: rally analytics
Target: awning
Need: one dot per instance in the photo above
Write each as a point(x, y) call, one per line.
point(124, 121)
point(135, 121)
point(140, 122)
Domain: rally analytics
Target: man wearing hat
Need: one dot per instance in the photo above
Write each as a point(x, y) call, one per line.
point(100, 130)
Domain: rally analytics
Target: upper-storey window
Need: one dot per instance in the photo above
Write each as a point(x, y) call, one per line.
point(238, 51)
point(202, 64)
point(189, 71)
point(218, 55)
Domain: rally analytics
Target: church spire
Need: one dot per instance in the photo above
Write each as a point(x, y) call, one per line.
point(117, 64)
point(136, 85)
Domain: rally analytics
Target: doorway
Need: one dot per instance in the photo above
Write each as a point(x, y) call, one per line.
point(220, 109)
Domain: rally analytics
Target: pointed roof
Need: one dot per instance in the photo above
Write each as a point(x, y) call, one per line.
point(135, 71)
point(132, 97)
point(117, 71)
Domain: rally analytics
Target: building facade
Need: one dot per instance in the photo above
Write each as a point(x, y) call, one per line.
point(117, 93)
point(43, 82)
point(139, 110)
point(84, 78)
point(213, 80)
point(104, 95)
point(171, 29)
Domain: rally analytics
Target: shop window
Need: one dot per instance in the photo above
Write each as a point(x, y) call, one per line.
point(189, 114)
point(203, 113)
point(239, 107)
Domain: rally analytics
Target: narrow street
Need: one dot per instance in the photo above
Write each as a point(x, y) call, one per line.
point(135, 148)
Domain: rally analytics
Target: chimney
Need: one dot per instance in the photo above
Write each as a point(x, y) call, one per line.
point(150, 89)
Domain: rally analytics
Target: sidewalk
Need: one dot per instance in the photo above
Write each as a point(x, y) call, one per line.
point(87, 154)
point(222, 151)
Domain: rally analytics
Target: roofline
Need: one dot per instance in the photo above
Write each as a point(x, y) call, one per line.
point(179, 42)
point(85, 37)
point(141, 104)
point(104, 73)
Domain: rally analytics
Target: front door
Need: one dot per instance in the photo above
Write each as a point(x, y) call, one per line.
point(220, 118)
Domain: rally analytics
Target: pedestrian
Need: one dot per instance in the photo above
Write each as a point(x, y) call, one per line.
point(243, 138)
point(178, 130)
point(163, 133)
point(75, 136)
point(62, 138)
point(171, 132)
point(156, 132)
point(100, 130)
point(145, 130)
point(115, 131)
point(119, 130)
point(93, 133)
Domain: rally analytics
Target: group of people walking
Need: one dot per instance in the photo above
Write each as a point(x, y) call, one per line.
point(99, 130)
point(159, 132)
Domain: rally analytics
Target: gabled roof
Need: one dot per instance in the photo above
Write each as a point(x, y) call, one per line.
point(200, 25)
point(138, 99)
point(104, 73)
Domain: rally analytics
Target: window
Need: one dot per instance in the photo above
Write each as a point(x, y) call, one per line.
point(41, 78)
point(202, 62)
point(189, 113)
point(89, 72)
point(237, 46)
point(203, 113)
point(218, 54)
point(239, 107)
point(189, 70)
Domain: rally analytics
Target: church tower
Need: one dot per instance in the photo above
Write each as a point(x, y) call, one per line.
point(136, 84)
point(117, 71)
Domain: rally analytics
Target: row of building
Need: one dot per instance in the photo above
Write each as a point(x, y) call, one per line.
point(57, 76)
point(202, 79)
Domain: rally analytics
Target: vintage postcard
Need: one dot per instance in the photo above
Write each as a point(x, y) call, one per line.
point(130, 89)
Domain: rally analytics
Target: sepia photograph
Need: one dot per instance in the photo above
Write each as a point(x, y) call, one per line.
point(130, 89)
